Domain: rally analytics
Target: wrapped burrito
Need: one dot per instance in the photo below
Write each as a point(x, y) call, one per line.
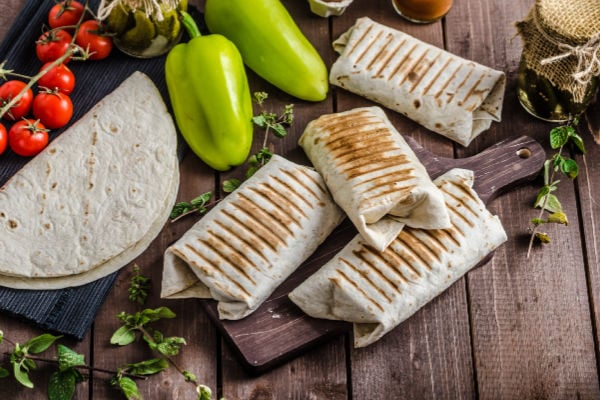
point(96, 197)
point(246, 246)
point(377, 291)
point(445, 93)
point(373, 174)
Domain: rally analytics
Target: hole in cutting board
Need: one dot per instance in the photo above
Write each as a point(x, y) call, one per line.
point(524, 152)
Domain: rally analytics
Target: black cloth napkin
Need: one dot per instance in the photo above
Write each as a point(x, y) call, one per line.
point(68, 311)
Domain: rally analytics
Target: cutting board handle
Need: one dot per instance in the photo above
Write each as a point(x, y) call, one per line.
point(496, 168)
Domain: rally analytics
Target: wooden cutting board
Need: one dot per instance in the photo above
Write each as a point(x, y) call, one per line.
point(279, 330)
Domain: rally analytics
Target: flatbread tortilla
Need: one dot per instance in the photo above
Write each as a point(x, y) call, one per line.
point(373, 174)
point(252, 240)
point(377, 291)
point(447, 94)
point(96, 197)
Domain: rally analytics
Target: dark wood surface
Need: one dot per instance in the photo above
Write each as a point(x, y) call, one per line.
point(515, 328)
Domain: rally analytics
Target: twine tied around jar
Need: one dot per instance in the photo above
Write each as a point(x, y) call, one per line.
point(152, 8)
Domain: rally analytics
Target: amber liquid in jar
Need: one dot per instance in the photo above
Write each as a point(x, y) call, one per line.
point(422, 11)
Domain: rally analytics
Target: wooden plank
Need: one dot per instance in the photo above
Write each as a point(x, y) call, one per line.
point(428, 355)
point(530, 317)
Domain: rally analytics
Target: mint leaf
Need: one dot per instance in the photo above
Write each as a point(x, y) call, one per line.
point(129, 388)
point(68, 358)
point(123, 336)
point(560, 135)
point(148, 367)
point(569, 167)
point(61, 385)
point(230, 185)
point(40, 343)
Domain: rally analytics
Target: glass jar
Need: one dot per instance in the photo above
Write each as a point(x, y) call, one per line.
point(144, 28)
point(422, 11)
point(559, 68)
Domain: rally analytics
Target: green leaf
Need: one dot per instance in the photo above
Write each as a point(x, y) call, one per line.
point(559, 136)
point(68, 358)
point(170, 346)
point(542, 237)
point(204, 392)
point(578, 141)
point(279, 130)
point(22, 376)
point(260, 97)
point(260, 120)
point(151, 315)
point(40, 343)
point(229, 185)
point(558, 218)
point(538, 221)
point(552, 204)
point(1, 336)
point(180, 208)
point(4, 372)
point(129, 388)
point(123, 336)
point(201, 200)
point(570, 168)
point(148, 367)
point(189, 377)
point(61, 385)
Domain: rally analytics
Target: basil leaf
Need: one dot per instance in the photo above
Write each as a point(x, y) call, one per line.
point(123, 336)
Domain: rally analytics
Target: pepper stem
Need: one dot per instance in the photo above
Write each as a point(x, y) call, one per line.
point(190, 25)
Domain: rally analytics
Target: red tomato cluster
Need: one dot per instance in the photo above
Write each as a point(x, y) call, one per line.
point(51, 107)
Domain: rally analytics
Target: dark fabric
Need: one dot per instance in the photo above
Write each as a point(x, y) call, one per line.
point(69, 311)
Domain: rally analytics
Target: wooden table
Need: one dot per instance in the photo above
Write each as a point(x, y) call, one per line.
point(515, 328)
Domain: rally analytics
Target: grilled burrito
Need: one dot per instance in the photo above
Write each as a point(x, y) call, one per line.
point(252, 240)
point(96, 197)
point(445, 93)
point(373, 174)
point(377, 291)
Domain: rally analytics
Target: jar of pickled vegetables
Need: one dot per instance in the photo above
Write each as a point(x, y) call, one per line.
point(143, 28)
point(560, 64)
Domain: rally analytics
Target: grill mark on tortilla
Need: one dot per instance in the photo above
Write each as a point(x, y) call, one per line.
point(340, 126)
point(266, 230)
point(279, 213)
point(311, 179)
point(364, 276)
point(395, 176)
point(219, 249)
point(343, 151)
point(402, 61)
point(356, 168)
point(209, 264)
point(390, 253)
point(461, 85)
point(252, 244)
point(368, 46)
point(422, 75)
point(381, 53)
point(240, 256)
point(437, 75)
point(252, 209)
point(265, 235)
point(358, 288)
point(91, 163)
point(403, 192)
point(285, 199)
point(328, 120)
point(450, 79)
point(458, 214)
point(438, 235)
point(431, 245)
point(391, 55)
point(367, 31)
point(410, 244)
point(355, 152)
point(222, 288)
point(411, 69)
point(293, 191)
point(464, 200)
point(470, 91)
point(383, 263)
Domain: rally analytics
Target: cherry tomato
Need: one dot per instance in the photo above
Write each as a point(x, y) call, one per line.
point(59, 77)
point(3, 138)
point(91, 36)
point(53, 109)
point(27, 137)
point(65, 13)
point(8, 91)
point(53, 44)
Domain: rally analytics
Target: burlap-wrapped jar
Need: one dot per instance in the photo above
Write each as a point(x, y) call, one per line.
point(560, 63)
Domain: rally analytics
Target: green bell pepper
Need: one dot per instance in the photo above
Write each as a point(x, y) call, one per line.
point(210, 96)
point(271, 45)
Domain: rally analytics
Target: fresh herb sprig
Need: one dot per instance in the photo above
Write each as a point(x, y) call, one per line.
point(546, 200)
point(198, 205)
point(270, 122)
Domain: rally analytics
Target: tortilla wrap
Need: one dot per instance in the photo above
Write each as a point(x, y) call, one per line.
point(447, 94)
point(373, 174)
point(252, 240)
point(377, 291)
point(96, 197)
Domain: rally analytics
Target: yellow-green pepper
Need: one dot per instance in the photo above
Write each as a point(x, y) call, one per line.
point(271, 45)
point(210, 96)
